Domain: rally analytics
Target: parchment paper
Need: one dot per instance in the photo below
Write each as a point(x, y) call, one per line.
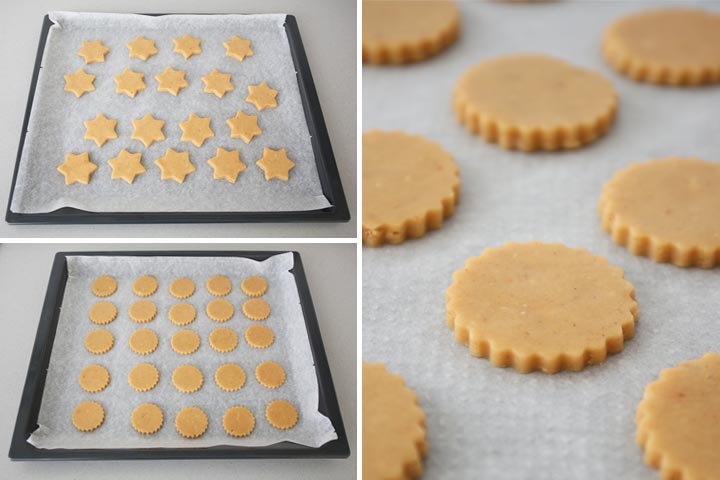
point(291, 349)
point(56, 123)
point(486, 422)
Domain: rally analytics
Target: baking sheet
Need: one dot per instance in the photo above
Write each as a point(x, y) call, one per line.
point(496, 423)
point(291, 349)
point(56, 120)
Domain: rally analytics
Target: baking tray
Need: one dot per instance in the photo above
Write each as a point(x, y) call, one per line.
point(322, 149)
point(32, 394)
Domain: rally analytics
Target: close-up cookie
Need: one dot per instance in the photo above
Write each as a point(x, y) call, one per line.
point(238, 422)
point(270, 375)
point(142, 312)
point(144, 377)
point(220, 310)
point(281, 414)
point(187, 379)
point(143, 341)
point(256, 309)
point(145, 286)
point(230, 377)
point(94, 378)
point(259, 336)
point(219, 286)
point(99, 342)
point(185, 342)
point(147, 418)
point(254, 286)
point(88, 416)
point(191, 422)
point(223, 340)
point(104, 286)
point(103, 313)
point(182, 288)
point(182, 314)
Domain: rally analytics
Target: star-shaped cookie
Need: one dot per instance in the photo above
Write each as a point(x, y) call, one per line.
point(126, 166)
point(93, 51)
point(262, 96)
point(77, 168)
point(171, 81)
point(187, 46)
point(238, 48)
point(129, 83)
point(196, 130)
point(100, 129)
point(148, 130)
point(79, 83)
point(175, 165)
point(244, 126)
point(217, 83)
point(226, 165)
point(275, 164)
point(142, 48)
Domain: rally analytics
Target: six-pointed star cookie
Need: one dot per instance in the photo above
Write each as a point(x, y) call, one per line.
point(93, 51)
point(77, 168)
point(129, 83)
point(275, 164)
point(226, 165)
point(148, 130)
point(196, 130)
point(100, 129)
point(79, 83)
point(244, 126)
point(142, 48)
point(126, 166)
point(171, 81)
point(187, 46)
point(175, 165)
point(217, 83)
point(238, 48)
point(262, 96)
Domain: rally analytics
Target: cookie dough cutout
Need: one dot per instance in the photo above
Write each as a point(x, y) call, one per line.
point(238, 422)
point(77, 168)
point(230, 377)
point(220, 310)
point(171, 81)
point(409, 31)
point(187, 46)
point(187, 379)
point(79, 83)
point(103, 313)
point(148, 130)
point(99, 342)
point(143, 311)
point(254, 286)
point(175, 165)
point(145, 286)
point(270, 375)
point(256, 309)
point(104, 286)
point(548, 105)
point(93, 52)
point(281, 415)
point(126, 166)
point(262, 96)
point(223, 340)
point(143, 341)
point(410, 186)
point(673, 420)
point(143, 377)
point(196, 130)
point(393, 426)
point(666, 210)
point(219, 286)
point(238, 48)
point(539, 306)
point(147, 419)
point(191, 422)
point(275, 164)
point(185, 342)
point(100, 129)
point(226, 165)
point(88, 416)
point(244, 126)
point(94, 378)
point(673, 46)
point(218, 83)
point(129, 82)
point(182, 288)
point(182, 314)
point(259, 336)
point(142, 48)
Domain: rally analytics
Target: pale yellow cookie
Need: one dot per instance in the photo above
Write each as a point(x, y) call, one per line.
point(219, 286)
point(191, 422)
point(99, 342)
point(171, 81)
point(223, 340)
point(144, 377)
point(262, 96)
point(244, 126)
point(185, 342)
point(142, 48)
point(142, 312)
point(103, 313)
point(187, 46)
point(254, 286)
point(220, 310)
point(275, 164)
point(104, 286)
point(148, 129)
point(126, 166)
point(187, 379)
point(238, 48)
point(147, 418)
point(182, 314)
point(100, 129)
point(77, 168)
point(217, 83)
point(256, 309)
point(93, 52)
point(143, 341)
point(196, 130)
point(88, 416)
point(259, 336)
point(270, 375)
point(230, 377)
point(79, 83)
point(281, 415)
point(182, 288)
point(145, 286)
point(94, 378)
point(129, 82)
point(226, 165)
point(175, 165)
point(238, 422)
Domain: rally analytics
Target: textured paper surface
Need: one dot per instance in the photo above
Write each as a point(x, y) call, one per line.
point(291, 349)
point(56, 122)
point(486, 422)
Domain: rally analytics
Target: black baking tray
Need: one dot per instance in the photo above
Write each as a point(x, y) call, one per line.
point(27, 416)
point(322, 149)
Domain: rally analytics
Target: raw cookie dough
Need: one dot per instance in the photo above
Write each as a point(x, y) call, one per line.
point(187, 46)
point(394, 439)
point(672, 46)
point(103, 313)
point(230, 377)
point(254, 286)
point(218, 83)
point(534, 102)
point(185, 342)
point(677, 420)
point(99, 342)
point(147, 418)
point(182, 314)
point(539, 306)
point(104, 286)
point(226, 165)
point(220, 310)
point(196, 130)
point(145, 286)
point(187, 379)
point(142, 312)
point(668, 210)
point(238, 48)
point(93, 52)
point(77, 168)
point(88, 416)
point(100, 129)
point(275, 164)
point(244, 126)
point(148, 129)
point(270, 375)
point(238, 422)
point(130, 83)
point(182, 288)
point(223, 340)
point(175, 165)
point(281, 414)
point(219, 286)
point(79, 83)
point(94, 378)
point(143, 341)
point(191, 422)
point(410, 185)
point(142, 48)
point(126, 166)
point(171, 81)
point(259, 336)
point(407, 31)
point(144, 377)
point(262, 96)
point(256, 309)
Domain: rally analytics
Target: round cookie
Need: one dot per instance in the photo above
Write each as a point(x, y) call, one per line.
point(104, 286)
point(145, 286)
point(99, 341)
point(223, 340)
point(103, 313)
point(259, 336)
point(147, 419)
point(143, 341)
point(219, 286)
point(410, 185)
point(144, 377)
point(230, 377)
point(539, 306)
point(182, 314)
point(270, 375)
point(672, 46)
point(182, 288)
point(187, 379)
point(142, 312)
point(88, 416)
point(407, 31)
point(238, 422)
point(94, 378)
point(191, 422)
point(254, 286)
point(185, 342)
point(281, 414)
point(534, 102)
point(256, 309)
point(666, 210)
point(220, 310)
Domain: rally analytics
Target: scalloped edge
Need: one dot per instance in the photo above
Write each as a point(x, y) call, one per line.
point(502, 358)
point(100, 424)
point(162, 420)
point(142, 390)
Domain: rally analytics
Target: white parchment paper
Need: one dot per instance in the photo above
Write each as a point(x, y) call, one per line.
point(291, 349)
point(486, 422)
point(56, 122)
